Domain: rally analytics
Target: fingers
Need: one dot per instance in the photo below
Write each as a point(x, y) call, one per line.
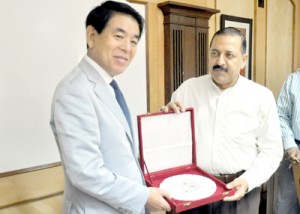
point(240, 185)
point(166, 206)
point(238, 195)
point(293, 155)
point(156, 200)
point(175, 106)
point(164, 109)
point(165, 193)
point(298, 155)
point(292, 152)
point(293, 161)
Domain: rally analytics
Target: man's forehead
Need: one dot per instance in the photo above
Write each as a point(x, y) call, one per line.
point(232, 41)
point(117, 20)
point(227, 38)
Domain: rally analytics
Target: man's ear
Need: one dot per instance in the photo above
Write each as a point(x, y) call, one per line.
point(244, 59)
point(91, 34)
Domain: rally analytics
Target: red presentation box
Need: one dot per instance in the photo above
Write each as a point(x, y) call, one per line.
point(168, 147)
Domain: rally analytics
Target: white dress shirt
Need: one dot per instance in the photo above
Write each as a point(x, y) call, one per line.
point(236, 129)
point(107, 78)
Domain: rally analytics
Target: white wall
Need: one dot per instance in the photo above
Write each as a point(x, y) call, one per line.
point(40, 42)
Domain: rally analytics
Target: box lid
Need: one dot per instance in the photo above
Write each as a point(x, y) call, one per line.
point(166, 140)
point(168, 148)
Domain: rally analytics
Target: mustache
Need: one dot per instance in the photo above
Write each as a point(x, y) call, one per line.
point(219, 67)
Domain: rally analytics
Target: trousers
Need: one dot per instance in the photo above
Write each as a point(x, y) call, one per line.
point(287, 200)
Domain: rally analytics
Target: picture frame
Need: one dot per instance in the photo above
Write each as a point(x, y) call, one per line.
point(245, 26)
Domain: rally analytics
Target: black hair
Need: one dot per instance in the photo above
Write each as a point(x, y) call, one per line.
point(231, 31)
point(100, 15)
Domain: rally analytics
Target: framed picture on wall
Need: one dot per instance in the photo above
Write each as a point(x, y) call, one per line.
point(245, 26)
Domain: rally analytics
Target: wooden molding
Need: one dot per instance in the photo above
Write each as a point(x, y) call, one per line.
point(28, 185)
point(31, 169)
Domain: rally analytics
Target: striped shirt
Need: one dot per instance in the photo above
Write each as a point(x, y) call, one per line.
point(288, 104)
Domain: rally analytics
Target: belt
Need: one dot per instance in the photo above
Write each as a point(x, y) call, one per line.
point(297, 141)
point(226, 178)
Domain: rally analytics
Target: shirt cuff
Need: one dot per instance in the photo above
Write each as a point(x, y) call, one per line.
point(289, 143)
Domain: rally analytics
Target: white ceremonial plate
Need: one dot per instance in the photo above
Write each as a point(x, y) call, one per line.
point(187, 187)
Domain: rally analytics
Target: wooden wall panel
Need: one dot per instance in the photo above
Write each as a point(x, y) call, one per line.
point(296, 37)
point(30, 186)
point(259, 72)
point(279, 51)
point(51, 205)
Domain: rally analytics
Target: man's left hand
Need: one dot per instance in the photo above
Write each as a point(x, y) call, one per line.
point(241, 187)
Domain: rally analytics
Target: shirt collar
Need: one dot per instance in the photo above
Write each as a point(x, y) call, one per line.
point(107, 78)
point(219, 90)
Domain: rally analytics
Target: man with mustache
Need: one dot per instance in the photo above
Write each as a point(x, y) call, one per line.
point(237, 127)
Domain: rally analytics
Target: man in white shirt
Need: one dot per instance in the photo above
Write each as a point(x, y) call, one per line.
point(237, 126)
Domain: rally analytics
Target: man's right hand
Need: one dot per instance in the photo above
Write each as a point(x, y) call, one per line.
point(156, 201)
point(293, 155)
